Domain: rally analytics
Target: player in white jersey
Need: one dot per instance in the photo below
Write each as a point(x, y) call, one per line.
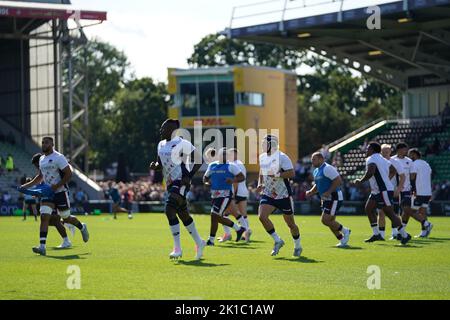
point(173, 155)
point(379, 171)
point(239, 208)
point(275, 171)
point(398, 181)
point(421, 188)
point(55, 171)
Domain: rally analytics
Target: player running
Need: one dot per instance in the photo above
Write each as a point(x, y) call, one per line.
point(173, 154)
point(55, 171)
point(114, 195)
point(275, 171)
point(379, 172)
point(398, 181)
point(221, 175)
point(238, 207)
point(327, 184)
point(421, 187)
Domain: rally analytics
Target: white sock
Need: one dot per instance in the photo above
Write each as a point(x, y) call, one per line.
point(242, 222)
point(66, 239)
point(376, 230)
point(394, 232)
point(226, 229)
point(176, 235)
point(247, 224)
point(275, 237)
point(426, 224)
point(194, 233)
point(42, 246)
point(382, 233)
point(404, 225)
point(402, 231)
point(236, 227)
point(297, 243)
point(211, 239)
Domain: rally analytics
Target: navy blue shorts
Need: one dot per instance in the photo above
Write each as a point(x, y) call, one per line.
point(285, 205)
point(421, 201)
point(178, 188)
point(331, 207)
point(238, 199)
point(220, 205)
point(383, 199)
point(405, 199)
point(30, 201)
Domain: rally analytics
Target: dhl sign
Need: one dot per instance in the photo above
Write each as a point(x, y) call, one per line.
point(209, 122)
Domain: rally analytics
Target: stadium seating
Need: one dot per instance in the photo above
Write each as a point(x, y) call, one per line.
point(22, 163)
point(417, 133)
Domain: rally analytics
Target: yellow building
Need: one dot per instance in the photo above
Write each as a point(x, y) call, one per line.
point(238, 97)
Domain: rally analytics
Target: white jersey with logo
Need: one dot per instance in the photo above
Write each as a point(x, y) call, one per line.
point(275, 187)
point(423, 177)
point(51, 166)
point(172, 154)
point(406, 164)
point(242, 190)
point(399, 168)
point(380, 180)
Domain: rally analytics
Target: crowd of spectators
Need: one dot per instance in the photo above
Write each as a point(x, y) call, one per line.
point(437, 147)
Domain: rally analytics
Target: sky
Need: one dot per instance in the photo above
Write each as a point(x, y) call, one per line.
point(157, 34)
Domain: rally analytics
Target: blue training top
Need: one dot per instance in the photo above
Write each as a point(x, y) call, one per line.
point(324, 176)
point(41, 190)
point(219, 172)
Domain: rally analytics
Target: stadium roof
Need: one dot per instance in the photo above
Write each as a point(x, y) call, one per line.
point(412, 48)
point(22, 9)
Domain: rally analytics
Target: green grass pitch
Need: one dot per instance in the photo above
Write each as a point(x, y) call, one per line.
point(128, 259)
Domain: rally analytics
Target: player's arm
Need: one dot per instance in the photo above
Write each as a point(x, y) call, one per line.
point(312, 191)
point(288, 174)
point(371, 169)
point(413, 177)
point(195, 155)
point(260, 186)
point(67, 174)
point(237, 178)
point(392, 171)
point(36, 180)
point(156, 165)
point(206, 176)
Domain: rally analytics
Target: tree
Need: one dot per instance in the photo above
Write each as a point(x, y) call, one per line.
point(218, 50)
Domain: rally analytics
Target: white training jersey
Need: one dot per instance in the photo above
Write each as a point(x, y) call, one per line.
point(270, 165)
point(399, 168)
point(173, 155)
point(242, 190)
point(380, 180)
point(51, 167)
point(406, 164)
point(423, 177)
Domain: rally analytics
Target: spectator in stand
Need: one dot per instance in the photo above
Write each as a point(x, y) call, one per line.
point(436, 146)
point(337, 159)
point(9, 165)
point(429, 150)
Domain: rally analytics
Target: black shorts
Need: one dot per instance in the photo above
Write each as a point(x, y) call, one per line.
point(421, 201)
point(220, 205)
point(238, 199)
point(178, 188)
point(60, 200)
point(405, 199)
point(331, 207)
point(285, 205)
point(383, 199)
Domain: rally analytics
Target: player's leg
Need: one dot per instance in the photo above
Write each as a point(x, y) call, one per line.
point(63, 205)
point(264, 211)
point(295, 233)
point(24, 210)
point(34, 211)
point(55, 221)
point(242, 207)
point(396, 221)
point(370, 208)
point(46, 211)
point(329, 210)
point(219, 207)
point(426, 225)
point(213, 230)
point(189, 224)
point(381, 223)
point(118, 209)
point(174, 224)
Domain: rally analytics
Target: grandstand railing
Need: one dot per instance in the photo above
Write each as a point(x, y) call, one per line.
point(283, 10)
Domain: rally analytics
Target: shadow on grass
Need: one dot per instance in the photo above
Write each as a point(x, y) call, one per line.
point(237, 246)
point(200, 263)
point(70, 257)
point(348, 248)
point(302, 259)
point(433, 239)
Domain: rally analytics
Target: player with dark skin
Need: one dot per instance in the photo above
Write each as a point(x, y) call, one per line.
point(55, 220)
point(166, 132)
point(371, 204)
